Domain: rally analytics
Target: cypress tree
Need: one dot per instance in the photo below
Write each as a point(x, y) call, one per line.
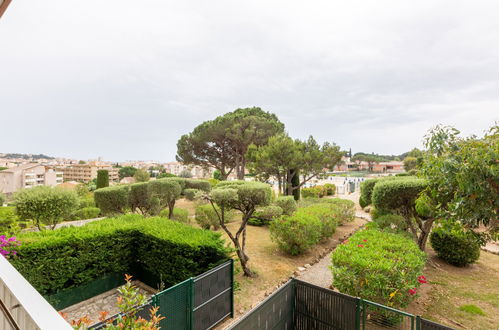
point(102, 179)
point(295, 182)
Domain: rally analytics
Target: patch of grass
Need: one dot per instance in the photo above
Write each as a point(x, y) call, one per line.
point(472, 309)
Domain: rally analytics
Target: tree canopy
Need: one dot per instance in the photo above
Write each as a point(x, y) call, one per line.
point(127, 171)
point(282, 157)
point(222, 143)
point(141, 175)
point(463, 175)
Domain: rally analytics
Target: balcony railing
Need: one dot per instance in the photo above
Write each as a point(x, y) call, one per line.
point(22, 307)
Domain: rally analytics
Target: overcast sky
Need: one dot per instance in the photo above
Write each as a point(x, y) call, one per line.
point(125, 79)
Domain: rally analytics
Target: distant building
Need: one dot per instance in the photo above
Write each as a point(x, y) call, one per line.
point(88, 172)
point(28, 176)
point(197, 171)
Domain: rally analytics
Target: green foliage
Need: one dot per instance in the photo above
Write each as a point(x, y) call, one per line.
point(207, 218)
point(391, 223)
point(202, 185)
point(179, 214)
point(165, 175)
point(2, 199)
point(87, 213)
point(343, 210)
point(141, 175)
point(472, 309)
point(165, 191)
point(265, 215)
point(102, 179)
point(324, 212)
point(330, 189)
point(190, 194)
point(217, 175)
point(463, 175)
point(314, 192)
point(8, 220)
point(397, 195)
point(297, 233)
point(127, 171)
point(112, 200)
point(222, 143)
point(295, 183)
point(72, 256)
point(213, 182)
point(139, 198)
point(454, 244)
point(45, 205)
point(378, 266)
point(287, 204)
point(410, 163)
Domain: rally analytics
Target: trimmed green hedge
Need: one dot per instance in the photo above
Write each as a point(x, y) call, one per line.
point(70, 257)
point(287, 204)
point(392, 195)
point(112, 200)
point(263, 216)
point(87, 213)
point(378, 266)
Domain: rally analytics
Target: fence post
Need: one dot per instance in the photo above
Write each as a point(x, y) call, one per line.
point(357, 314)
point(232, 288)
point(191, 304)
point(418, 322)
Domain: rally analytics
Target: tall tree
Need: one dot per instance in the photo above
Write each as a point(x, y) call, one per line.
point(102, 179)
point(127, 171)
point(282, 158)
point(141, 175)
point(222, 143)
point(370, 159)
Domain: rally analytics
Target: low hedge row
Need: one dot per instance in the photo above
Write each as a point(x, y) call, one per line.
point(70, 257)
point(319, 191)
point(379, 266)
point(310, 224)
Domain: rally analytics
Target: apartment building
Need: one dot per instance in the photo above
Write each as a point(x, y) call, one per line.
point(28, 176)
point(88, 172)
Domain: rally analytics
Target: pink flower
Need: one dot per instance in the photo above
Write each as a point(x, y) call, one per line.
point(422, 279)
point(360, 245)
point(412, 292)
point(365, 240)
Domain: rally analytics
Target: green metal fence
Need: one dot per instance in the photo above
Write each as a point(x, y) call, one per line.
point(302, 306)
point(198, 303)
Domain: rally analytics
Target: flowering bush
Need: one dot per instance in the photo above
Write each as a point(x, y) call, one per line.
point(8, 245)
point(379, 266)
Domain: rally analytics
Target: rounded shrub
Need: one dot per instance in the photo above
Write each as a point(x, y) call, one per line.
point(297, 233)
point(330, 189)
point(454, 244)
point(315, 191)
point(190, 193)
point(324, 212)
point(8, 220)
point(397, 194)
point(87, 213)
point(287, 204)
point(379, 266)
point(263, 216)
point(343, 210)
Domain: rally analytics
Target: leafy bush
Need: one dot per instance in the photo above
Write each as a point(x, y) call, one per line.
point(297, 233)
point(287, 204)
point(86, 200)
point(315, 191)
point(139, 197)
point(391, 223)
point(213, 182)
point(343, 211)
point(203, 185)
point(454, 244)
point(73, 256)
point(207, 218)
point(366, 189)
point(330, 189)
point(45, 205)
point(265, 215)
point(190, 193)
point(324, 212)
point(112, 200)
point(378, 266)
point(8, 220)
point(87, 213)
point(179, 214)
point(393, 195)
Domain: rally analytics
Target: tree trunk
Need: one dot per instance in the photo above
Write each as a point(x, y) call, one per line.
point(171, 206)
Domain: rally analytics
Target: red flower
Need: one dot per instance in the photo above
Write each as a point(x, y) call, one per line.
point(365, 240)
point(422, 279)
point(412, 292)
point(360, 245)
